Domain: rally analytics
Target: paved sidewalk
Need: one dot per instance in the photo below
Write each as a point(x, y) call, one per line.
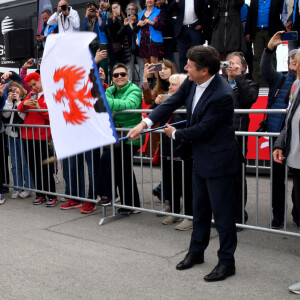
point(48, 253)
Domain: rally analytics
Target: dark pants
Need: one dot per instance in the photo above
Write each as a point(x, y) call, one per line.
point(177, 190)
point(123, 173)
point(75, 177)
point(35, 152)
point(260, 42)
point(4, 170)
point(214, 196)
point(238, 185)
point(188, 36)
point(296, 194)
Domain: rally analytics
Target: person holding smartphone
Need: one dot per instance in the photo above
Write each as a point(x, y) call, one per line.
point(16, 148)
point(36, 140)
point(66, 17)
point(149, 27)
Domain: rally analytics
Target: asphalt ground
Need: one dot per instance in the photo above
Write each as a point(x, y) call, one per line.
point(48, 253)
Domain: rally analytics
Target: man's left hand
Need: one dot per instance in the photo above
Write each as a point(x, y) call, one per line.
point(198, 27)
point(168, 130)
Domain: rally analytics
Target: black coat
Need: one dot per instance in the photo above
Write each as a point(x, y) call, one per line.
point(275, 23)
point(228, 34)
point(245, 95)
point(200, 10)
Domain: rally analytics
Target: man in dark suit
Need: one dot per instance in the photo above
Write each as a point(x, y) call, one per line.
point(191, 17)
point(209, 103)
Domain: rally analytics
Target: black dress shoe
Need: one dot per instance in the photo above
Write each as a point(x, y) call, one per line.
point(220, 272)
point(189, 261)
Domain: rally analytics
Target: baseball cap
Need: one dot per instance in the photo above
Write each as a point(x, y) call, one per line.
point(293, 52)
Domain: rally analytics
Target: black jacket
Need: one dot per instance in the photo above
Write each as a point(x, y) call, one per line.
point(245, 95)
point(275, 23)
point(200, 10)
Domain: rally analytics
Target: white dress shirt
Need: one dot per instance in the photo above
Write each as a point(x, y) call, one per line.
point(200, 88)
point(189, 13)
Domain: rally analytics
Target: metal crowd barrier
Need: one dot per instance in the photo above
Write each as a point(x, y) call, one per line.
point(83, 174)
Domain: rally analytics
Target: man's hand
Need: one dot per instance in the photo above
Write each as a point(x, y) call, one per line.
point(40, 38)
point(28, 63)
point(288, 26)
point(198, 27)
point(100, 55)
point(168, 130)
point(278, 156)
point(136, 131)
point(126, 21)
point(275, 40)
point(235, 69)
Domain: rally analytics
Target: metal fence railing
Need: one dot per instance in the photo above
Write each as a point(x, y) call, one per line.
point(81, 177)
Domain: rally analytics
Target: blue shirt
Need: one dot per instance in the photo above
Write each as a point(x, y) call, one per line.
point(263, 13)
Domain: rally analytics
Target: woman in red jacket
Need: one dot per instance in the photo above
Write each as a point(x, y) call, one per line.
point(36, 140)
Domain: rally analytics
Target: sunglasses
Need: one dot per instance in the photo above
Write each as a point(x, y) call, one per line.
point(116, 75)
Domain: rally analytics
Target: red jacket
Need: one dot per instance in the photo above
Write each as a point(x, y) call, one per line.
point(35, 118)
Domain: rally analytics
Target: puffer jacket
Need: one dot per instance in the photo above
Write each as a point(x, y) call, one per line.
point(272, 77)
point(128, 97)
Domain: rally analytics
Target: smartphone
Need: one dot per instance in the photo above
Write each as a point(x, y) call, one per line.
point(165, 96)
point(33, 96)
point(11, 90)
point(105, 1)
point(156, 67)
point(103, 47)
point(3, 81)
point(289, 36)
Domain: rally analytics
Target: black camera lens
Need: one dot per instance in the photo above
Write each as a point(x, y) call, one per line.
point(93, 9)
point(64, 7)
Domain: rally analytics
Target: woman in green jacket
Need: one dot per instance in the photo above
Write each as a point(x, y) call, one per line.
point(121, 96)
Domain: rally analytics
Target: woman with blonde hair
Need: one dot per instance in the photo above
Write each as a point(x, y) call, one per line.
point(16, 93)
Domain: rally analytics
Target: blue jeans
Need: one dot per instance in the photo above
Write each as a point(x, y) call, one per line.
point(19, 167)
point(75, 184)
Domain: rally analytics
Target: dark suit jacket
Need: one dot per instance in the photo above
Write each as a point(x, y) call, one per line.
point(275, 23)
point(200, 10)
point(210, 128)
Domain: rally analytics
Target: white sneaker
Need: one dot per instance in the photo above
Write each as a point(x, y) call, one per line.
point(2, 199)
point(295, 288)
point(25, 194)
point(184, 225)
point(170, 220)
point(15, 194)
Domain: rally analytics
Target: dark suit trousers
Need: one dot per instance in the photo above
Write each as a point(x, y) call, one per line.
point(214, 195)
point(187, 36)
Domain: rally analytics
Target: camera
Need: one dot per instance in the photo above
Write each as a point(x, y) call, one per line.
point(11, 90)
point(93, 9)
point(64, 7)
point(225, 64)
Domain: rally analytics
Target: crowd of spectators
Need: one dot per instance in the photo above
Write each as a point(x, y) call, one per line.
point(144, 34)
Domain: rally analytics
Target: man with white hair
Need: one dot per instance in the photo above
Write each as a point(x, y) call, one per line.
point(66, 17)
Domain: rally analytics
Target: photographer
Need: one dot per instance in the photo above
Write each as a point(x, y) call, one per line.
point(66, 17)
point(93, 22)
point(245, 94)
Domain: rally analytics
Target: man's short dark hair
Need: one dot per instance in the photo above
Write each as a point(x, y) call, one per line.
point(119, 65)
point(47, 11)
point(205, 57)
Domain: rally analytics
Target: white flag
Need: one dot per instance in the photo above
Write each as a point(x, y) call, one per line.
point(80, 117)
